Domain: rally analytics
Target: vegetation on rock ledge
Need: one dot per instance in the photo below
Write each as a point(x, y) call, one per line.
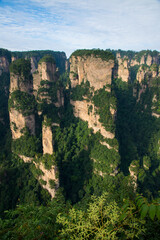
point(104, 55)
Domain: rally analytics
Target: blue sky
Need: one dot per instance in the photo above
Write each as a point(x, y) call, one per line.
point(67, 25)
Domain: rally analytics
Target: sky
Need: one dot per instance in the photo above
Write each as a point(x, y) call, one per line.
point(67, 25)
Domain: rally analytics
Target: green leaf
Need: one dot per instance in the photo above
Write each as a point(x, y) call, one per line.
point(138, 197)
point(125, 206)
point(123, 216)
point(144, 210)
point(152, 211)
point(158, 212)
point(140, 202)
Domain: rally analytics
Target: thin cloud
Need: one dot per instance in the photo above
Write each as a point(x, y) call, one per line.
point(66, 25)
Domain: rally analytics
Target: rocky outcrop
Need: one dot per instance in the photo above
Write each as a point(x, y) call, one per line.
point(48, 177)
point(141, 74)
point(18, 82)
point(23, 84)
point(47, 70)
point(81, 111)
point(18, 122)
point(47, 139)
point(97, 71)
point(99, 74)
point(123, 71)
point(44, 78)
point(149, 60)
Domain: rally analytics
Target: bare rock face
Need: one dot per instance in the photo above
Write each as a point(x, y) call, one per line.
point(24, 84)
point(4, 65)
point(18, 122)
point(18, 82)
point(134, 62)
point(47, 71)
point(49, 175)
point(33, 64)
point(142, 61)
point(97, 71)
point(36, 82)
point(13, 58)
point(141, 74)
point(149, 60)
point(123, 71)
point(133, 173)
point(60, 98)
point(47, 141)
point(81, 111)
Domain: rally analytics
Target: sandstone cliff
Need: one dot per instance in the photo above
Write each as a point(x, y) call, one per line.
point(21, 86)
point(45, 82)
point(97, 71)
point(92, 75)
point(146, 60)
point(47, 139)
point(123, 65)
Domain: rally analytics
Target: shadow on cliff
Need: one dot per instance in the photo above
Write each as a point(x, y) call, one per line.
point(135, 125)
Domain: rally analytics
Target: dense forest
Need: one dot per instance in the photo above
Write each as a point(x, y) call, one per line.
point(106, 183)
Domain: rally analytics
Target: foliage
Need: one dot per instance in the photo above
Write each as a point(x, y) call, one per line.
point(73, 158)
point(101, 220)
point(145, 53)
point(103, 100)
point(60, 57)
point(48, 90)
point(52, 183)
point(22, 102)
point(48, 59)
point(5, 53)
point(4, 93)
point(105, 160)
point(47, 159)
point(104, 55)
point(133, 73)
point(21, 67)
point(27, 145)
point(31, 221)
point(19, 186)
point(80, 91)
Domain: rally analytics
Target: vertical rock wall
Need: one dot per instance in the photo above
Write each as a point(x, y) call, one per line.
point(19, 82)
point(97, 71)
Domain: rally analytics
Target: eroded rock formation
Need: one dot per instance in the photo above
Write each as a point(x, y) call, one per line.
point(97, 71)
point(20, 85)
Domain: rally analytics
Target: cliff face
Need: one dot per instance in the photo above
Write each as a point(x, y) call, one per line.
point(20, 86)
point(35, 56)
point(22, 110)
point(143, 61)
point(81, 111)
point(93, 69)
point(4, 64)
point(123, 71)
point(47, 139)
point(92, 101)
point(45, 79)
point(18, 82)
point(18, 122)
